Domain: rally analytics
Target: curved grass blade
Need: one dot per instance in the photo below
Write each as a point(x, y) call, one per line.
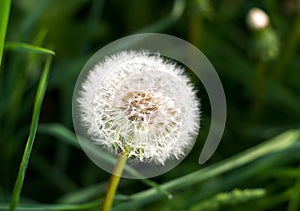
point(33, 128)
point(24, 47)
point(4, 15)
point(279, 143)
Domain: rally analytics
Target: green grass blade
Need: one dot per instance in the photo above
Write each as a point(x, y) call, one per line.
point(229, 198)
point(236, 177)
point(24, 47)
point(54, 207)
point(33, 128)
point(281, 142)
point(4, 14)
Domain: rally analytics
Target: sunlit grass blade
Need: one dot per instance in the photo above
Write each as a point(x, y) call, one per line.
point(24, 47)
point(4, 14)
point(279, 143)
point(229, 198)
point(266, 164)
point(33, 128)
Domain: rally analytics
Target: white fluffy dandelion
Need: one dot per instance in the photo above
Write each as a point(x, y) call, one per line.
point(143, 107)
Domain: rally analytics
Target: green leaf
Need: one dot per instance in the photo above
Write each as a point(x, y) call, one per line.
point(24, 47)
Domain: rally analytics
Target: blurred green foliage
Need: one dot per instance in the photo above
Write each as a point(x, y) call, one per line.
point(260, 75)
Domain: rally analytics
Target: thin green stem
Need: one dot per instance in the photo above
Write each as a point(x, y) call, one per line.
point(4, 14)
point(113, 183)
point(33, 128)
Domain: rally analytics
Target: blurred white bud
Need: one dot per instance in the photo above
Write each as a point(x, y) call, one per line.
point(257, 19)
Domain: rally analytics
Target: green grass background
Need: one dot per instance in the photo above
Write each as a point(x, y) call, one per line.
point(256, 166)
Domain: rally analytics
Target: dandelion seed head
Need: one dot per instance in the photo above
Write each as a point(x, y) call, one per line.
point(144, 107)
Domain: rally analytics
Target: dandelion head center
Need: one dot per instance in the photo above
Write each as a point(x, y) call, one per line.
point(139, 105)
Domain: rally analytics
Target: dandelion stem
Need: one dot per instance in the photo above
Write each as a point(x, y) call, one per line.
point(113, 183)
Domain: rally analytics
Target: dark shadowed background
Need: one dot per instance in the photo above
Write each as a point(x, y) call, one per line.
point(259, 70)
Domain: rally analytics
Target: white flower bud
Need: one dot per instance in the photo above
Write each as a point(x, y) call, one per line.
point(144, 107)
point(257, 19)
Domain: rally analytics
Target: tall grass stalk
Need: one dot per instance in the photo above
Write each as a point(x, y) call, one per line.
point(33, 128)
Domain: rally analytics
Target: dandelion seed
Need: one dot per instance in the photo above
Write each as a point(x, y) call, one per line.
point(144, 107)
